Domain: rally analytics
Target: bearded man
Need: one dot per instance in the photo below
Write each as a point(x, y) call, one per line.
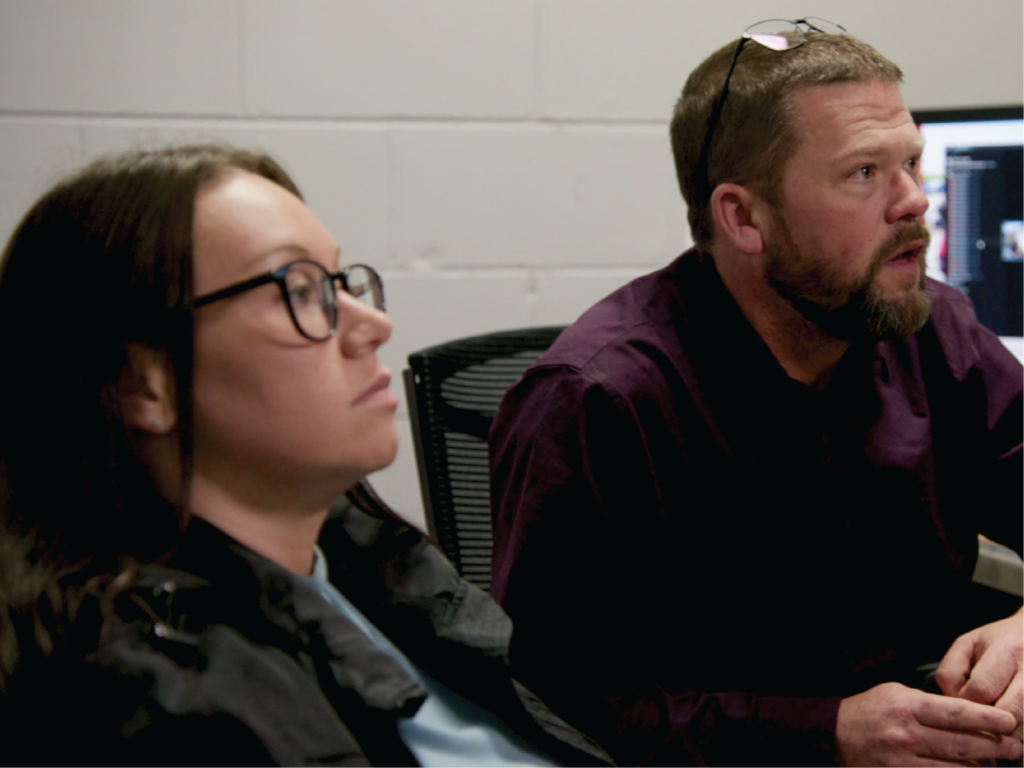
point(736, 505)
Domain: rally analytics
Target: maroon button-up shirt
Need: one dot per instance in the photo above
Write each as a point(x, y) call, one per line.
point(702, 556)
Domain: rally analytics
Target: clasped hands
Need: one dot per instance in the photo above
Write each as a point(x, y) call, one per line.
point(976, 721)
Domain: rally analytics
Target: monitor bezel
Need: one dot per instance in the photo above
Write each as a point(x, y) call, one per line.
point(967, 114)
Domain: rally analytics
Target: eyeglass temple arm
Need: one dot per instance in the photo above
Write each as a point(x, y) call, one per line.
point(234, 290)
point(702, 167)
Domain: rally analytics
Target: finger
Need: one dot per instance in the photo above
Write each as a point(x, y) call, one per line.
point(990, 677)
point(949, 682)
point(1018, 733)
point(961, 715)
point(962, 746)
point(955, 667)
point(919, 760)
point(1012, 700)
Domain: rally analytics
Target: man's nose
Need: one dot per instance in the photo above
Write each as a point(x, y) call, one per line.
point(909, 200)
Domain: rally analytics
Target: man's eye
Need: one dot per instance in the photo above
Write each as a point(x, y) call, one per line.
point(864, 172)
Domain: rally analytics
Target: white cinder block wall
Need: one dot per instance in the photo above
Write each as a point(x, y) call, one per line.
point(504, 163)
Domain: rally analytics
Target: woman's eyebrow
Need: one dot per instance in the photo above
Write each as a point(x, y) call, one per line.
point(300, 251)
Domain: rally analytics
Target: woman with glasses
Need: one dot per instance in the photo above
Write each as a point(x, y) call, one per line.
point(190, 385)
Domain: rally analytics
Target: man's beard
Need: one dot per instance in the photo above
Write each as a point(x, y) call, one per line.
point(854, 310)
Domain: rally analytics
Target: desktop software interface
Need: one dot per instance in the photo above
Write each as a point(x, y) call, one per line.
point(974, 177)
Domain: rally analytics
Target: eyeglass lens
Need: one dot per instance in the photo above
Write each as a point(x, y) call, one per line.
point(781, 34)
point(767, 35)
point(312, 295)
point(310, 298)
point(363, 284)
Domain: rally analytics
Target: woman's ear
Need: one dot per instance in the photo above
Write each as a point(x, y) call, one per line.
point(736, 223)
point(147, 391)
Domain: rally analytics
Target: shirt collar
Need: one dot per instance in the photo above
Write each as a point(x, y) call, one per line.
point(319, 572)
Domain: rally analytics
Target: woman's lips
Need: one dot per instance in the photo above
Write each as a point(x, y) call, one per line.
point(379, 393)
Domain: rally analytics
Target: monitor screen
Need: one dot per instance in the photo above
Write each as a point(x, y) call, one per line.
point(973, 171)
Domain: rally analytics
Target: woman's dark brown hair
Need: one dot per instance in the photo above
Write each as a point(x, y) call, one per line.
point(102, 261)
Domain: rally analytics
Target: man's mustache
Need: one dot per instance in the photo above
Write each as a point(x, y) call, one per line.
point(895, 244)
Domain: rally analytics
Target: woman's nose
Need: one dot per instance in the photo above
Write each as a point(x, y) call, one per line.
point(361, 327)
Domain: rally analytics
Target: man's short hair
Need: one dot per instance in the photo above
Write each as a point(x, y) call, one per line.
point(756, 134)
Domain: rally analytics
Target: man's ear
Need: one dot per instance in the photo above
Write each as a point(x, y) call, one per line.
point(147, 391)
point(736, 222)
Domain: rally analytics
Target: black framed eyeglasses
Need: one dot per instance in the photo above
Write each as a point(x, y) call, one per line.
point(776, 34)
point(310, 293)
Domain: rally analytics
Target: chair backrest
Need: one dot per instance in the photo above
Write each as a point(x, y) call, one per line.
point(453, 391)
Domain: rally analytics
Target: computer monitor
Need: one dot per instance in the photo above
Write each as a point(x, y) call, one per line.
point(973, 170)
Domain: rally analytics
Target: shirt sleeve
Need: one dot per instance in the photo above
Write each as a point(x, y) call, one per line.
point(581, 555)
point(979, 415)
point(1000, 379)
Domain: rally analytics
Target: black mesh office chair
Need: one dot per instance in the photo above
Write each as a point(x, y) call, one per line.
point(453, 391)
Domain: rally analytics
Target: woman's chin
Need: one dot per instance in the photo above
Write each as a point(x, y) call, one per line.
point(392, 452)
point(381, 452)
